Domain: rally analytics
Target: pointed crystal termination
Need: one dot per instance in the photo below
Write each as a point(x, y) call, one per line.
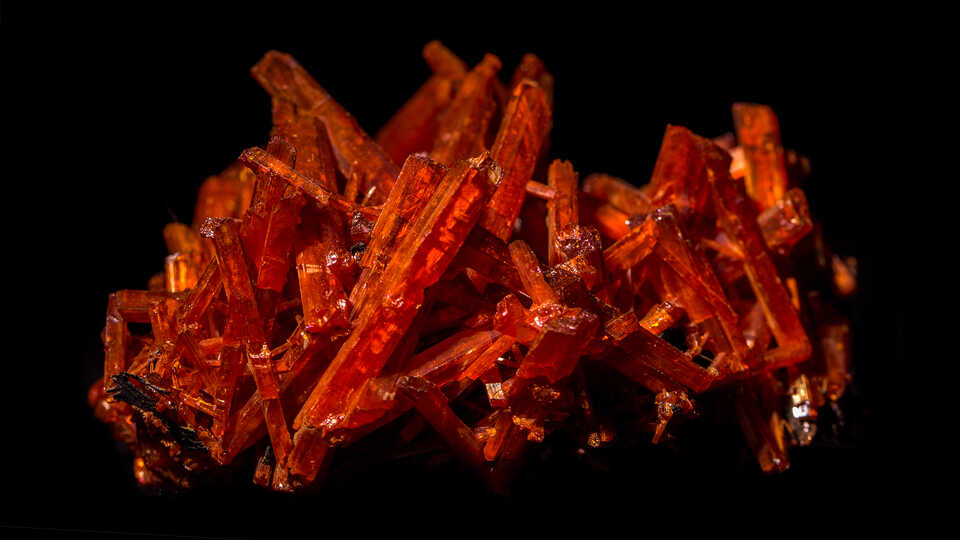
point(414, 127)
point(356, 153)
point(322, 293)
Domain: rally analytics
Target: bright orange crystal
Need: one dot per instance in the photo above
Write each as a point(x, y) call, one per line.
point(334, 283)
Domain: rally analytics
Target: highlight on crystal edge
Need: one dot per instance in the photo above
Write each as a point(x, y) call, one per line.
point(333, 284)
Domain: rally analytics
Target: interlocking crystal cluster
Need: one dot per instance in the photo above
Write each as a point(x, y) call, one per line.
point(446, 279)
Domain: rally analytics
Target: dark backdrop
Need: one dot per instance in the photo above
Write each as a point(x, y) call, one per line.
point(120, 115)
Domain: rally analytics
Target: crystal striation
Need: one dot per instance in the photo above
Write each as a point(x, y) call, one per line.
point(444, 278)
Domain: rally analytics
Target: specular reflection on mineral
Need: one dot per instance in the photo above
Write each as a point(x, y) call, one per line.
point(333, 284)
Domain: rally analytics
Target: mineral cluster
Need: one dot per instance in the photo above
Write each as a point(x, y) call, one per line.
point(446, 279)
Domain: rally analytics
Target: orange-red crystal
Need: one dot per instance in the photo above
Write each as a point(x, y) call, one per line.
point(333, 283)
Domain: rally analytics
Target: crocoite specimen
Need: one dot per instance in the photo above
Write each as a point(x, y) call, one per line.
point(335, 283)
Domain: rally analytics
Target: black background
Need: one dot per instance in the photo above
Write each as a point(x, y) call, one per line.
point(119, 115)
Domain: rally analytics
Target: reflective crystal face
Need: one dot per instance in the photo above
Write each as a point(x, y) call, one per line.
point(333, 282)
